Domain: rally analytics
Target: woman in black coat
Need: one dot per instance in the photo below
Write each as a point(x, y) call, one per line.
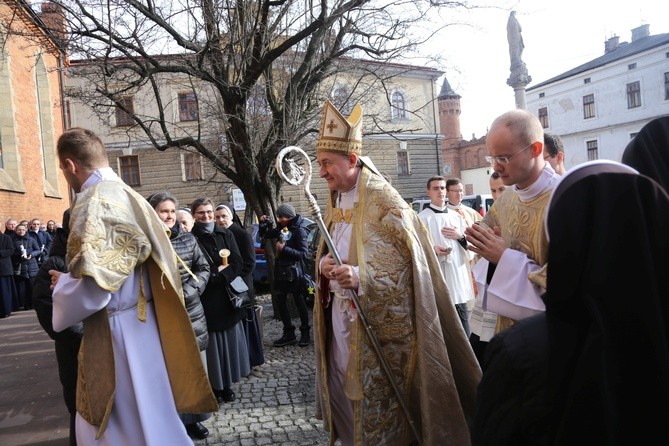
point(26, 251)
point(7, 287)
point(225, 217)
point(67, 342)
point(194, 272)
point(227, 353)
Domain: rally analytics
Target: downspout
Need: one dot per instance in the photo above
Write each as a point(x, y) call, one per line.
point(436, 135)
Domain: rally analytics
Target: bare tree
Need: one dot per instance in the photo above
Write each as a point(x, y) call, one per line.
point(260, 70)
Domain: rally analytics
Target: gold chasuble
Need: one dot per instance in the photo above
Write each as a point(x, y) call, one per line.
point(522, 226)
point(114, 230)
point(407, 304)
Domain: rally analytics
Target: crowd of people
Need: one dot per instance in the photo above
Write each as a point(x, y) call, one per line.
point(544, 322)
point(24, 246)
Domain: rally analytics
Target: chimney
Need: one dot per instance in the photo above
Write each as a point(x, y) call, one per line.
point(640, 32)
point(54, 19)
point(611, 44)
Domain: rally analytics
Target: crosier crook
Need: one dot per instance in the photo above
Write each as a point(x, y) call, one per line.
point(301, 176)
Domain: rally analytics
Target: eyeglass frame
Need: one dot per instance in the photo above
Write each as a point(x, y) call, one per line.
point(504, 160)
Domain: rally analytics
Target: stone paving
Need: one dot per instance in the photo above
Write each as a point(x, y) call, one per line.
point(275, 403)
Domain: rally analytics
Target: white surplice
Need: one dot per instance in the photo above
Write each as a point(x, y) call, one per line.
point(144, 411)
point(454, 266)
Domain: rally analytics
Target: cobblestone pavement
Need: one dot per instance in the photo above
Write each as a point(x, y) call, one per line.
point(275, 403)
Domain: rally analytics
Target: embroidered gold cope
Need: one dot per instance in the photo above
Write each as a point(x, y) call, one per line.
point(407, 304)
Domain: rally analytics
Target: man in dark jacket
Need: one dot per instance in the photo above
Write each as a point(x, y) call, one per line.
point(68, 340)
point(292, 250)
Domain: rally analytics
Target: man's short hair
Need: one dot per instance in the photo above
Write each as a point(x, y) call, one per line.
point(453, 182)
point(494, 175)
point(435, 178)
point(84, 146)
point(201, 202)
point(553, 144)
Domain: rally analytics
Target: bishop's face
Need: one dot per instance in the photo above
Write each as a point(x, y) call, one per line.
point(338, 170)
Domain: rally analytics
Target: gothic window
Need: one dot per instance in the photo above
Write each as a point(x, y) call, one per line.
point(398, 105)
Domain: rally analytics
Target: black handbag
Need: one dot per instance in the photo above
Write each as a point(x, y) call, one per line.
point(308, 288)
point(239, 293)
point(285, 273)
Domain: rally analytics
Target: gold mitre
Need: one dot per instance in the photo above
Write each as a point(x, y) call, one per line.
point(339, 134)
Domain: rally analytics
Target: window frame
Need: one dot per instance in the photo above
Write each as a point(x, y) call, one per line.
point(403, 163)
point(398, 105)
point(124, 118)
point(188, 167)
point(633, 91)
point(589, 106)
point(130, 173)
point(592, 150)
point(666, 86)
point(542, 114)
point(188, 106)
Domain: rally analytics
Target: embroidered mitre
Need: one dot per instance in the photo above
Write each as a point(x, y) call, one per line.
point(339, 134)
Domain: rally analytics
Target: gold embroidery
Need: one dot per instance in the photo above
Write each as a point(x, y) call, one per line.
point(342, 215)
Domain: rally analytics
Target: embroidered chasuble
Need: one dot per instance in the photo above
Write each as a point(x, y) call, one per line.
point(421, 336)
point(522, 226)
point(114, 231)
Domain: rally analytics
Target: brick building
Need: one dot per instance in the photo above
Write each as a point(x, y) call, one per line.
point(31, 116)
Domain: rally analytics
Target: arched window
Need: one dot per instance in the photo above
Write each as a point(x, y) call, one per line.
point(398, 105)
point(341, 99)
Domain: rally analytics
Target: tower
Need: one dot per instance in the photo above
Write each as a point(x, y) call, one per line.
point(449, 114)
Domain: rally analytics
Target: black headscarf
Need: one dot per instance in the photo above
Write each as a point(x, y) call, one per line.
point(607, 306)
point(648, 152)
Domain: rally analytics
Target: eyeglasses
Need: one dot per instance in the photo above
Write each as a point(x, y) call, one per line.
point(548, 156)
point(504, 160)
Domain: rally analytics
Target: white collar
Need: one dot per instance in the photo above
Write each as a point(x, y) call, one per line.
point(101, 174)
point(546, 182)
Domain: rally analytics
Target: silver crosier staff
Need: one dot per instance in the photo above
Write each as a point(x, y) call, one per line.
point(295, 176)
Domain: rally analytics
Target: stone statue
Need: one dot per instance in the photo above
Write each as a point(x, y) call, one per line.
point(519, 77)
point(515, 38)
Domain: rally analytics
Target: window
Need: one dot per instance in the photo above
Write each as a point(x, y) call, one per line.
point(631, 66)
point(192, 166)
point(543, 117)
point(588, 106)
point(129, 167)
point(398, 105)
point(123, 117)
point(634, 94)
point(187, 107)
point(541, 95)
point(633, 135)
point(340, 99)
point(403, 162)
point(592, 150)
point(586, 80)
point(666, 86)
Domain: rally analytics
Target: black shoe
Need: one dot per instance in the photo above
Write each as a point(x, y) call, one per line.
point(197, 430)
point(228, 395)
point(286, 339)
point(304, 339)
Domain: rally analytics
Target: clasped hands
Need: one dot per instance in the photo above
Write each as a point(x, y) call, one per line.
point(343, 274)
point(486, 242)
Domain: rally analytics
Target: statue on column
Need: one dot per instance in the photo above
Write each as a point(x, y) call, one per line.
point(519, 75)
